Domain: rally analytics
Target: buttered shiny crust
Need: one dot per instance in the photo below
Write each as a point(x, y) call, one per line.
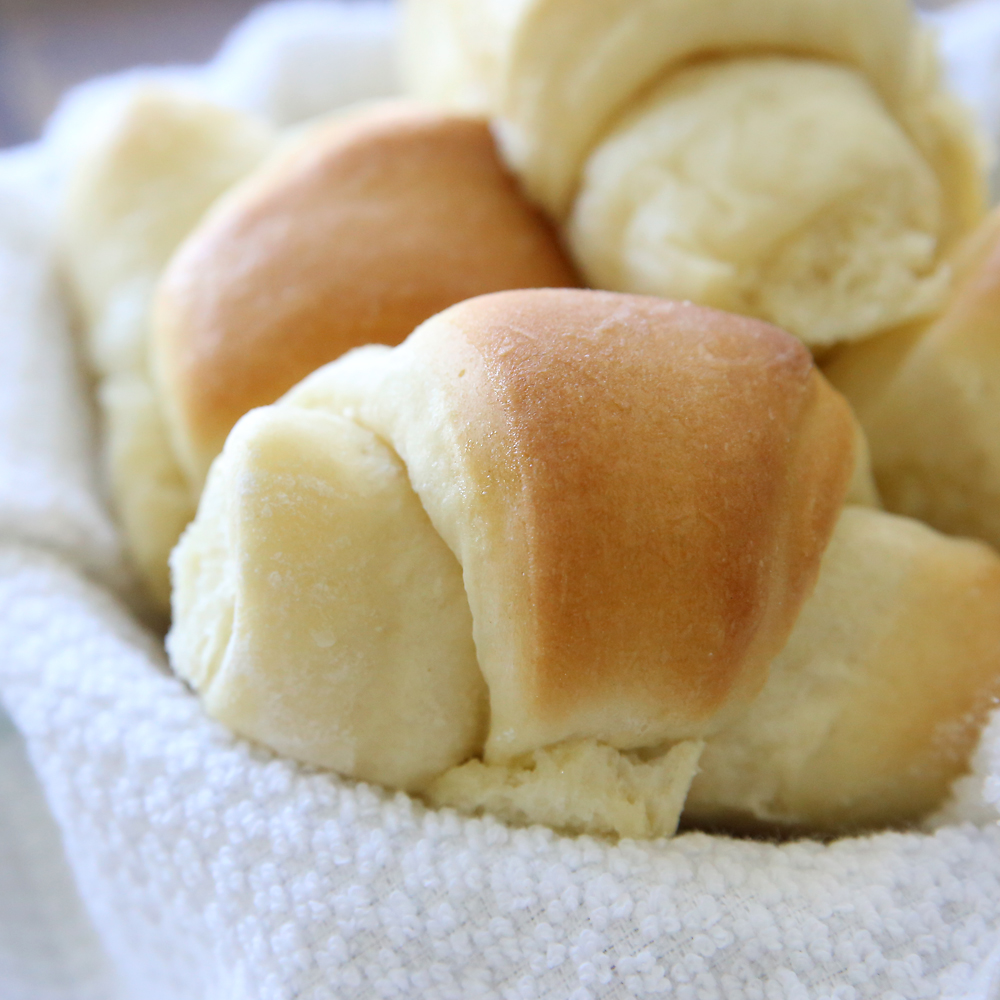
point(638, 492)
point(664, 485)
point(366, 227)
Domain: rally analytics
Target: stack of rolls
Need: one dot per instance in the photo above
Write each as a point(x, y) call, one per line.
point(796, 161)
point(595, 559)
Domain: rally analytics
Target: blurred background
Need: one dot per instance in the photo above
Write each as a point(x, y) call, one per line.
point(48, 45)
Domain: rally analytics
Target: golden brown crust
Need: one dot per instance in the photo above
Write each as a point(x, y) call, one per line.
point(658, 482)
point(369, 226)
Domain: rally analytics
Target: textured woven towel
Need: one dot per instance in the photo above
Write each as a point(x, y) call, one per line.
point(211, 870)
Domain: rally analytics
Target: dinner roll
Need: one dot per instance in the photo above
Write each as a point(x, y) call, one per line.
point(144, 183)
point(316, 609)
point(796, 160)
point(597, 514)
point(875, 704)
point(364, 227)
point(929, 398)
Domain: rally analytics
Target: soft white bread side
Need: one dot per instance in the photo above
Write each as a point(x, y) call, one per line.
point(772, 187)
point(556, 73)
point(146, 181)
point(638, 494)
point(317, 611)
point(929, 398)
point(151, 498)
point(798, 160)
point(580, 786)
point(873, 707)
point(358, 228)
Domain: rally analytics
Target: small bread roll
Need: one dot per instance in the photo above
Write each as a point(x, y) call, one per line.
point(366, 226)
point(146, 181)
point(929, 398)
point(772, 187)
point(872, 709)
point(796, 160)
point(607, 508)
point(580, 786)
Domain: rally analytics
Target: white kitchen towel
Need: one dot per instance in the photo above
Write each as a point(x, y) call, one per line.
point(48, 947)
point(213, 871)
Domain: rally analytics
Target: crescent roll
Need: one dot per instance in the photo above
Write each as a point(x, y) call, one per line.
point(795, 160)
point(546, 517)
point(874, 706)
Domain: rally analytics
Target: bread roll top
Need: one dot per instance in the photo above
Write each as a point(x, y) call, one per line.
point(363, 228)
point(638, 492)
point(557, 72)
